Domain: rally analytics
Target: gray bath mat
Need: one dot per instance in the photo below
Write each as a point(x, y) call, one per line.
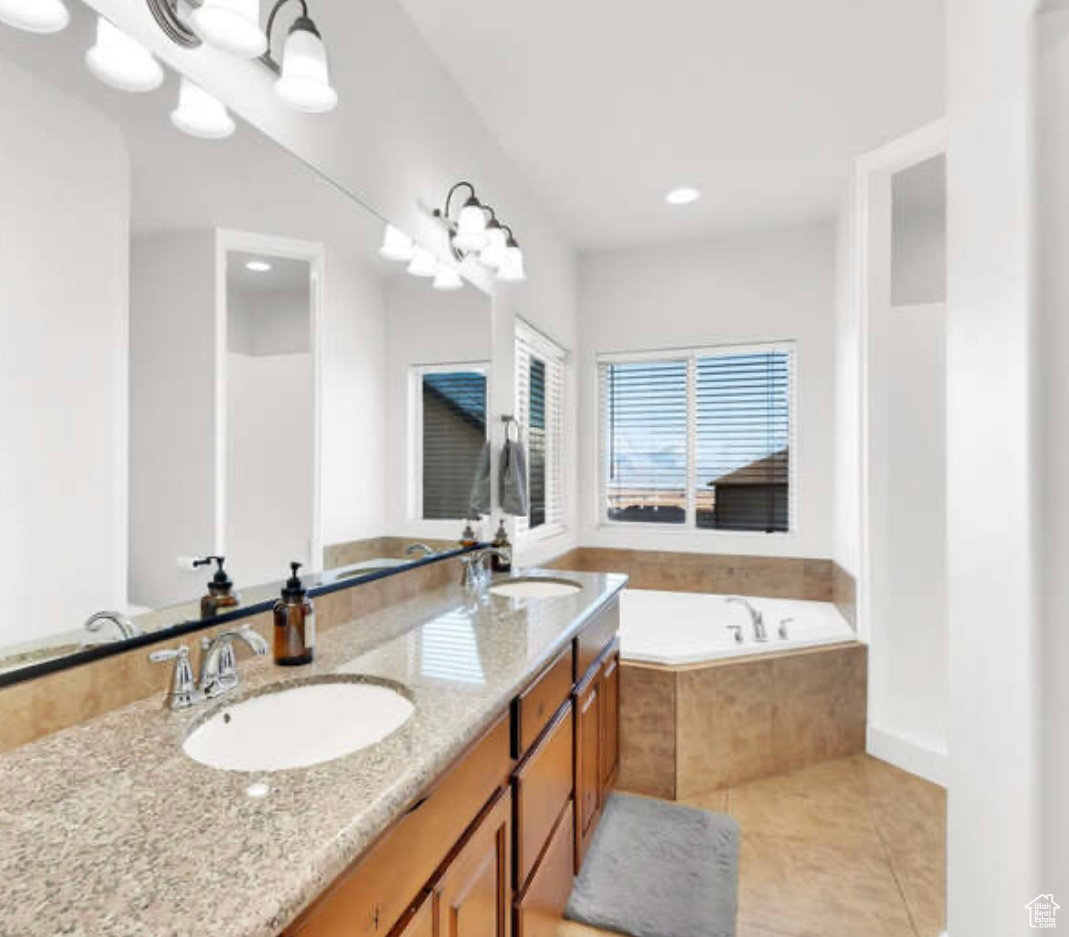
point(657, 869)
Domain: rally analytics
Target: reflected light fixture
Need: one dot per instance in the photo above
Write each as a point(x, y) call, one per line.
point(258, 266)
point(468, 233)
point(304, 82)
point(396, 245)
point(231, 25)
point(493, 255)
point(423, 263)
point(35, 16)
point(447, 279)
point(512, 269)
point(684, 195)
point(201, 115)
point(121, 62)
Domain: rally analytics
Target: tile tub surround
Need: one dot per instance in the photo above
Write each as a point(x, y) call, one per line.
point(688, 730)
point(844, 594)
point(768, 576)
point(360, 551)
point(47, 704)
point(110, 830)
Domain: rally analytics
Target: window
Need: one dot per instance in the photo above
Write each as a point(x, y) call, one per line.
point(451, 428)
point(699, 439)
point(540, 411)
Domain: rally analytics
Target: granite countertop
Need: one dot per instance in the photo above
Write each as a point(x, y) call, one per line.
point(107, 829)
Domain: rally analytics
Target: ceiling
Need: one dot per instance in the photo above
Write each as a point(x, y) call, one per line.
point(604, 106)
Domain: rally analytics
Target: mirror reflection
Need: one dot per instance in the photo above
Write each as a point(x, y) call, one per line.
point(210, 371)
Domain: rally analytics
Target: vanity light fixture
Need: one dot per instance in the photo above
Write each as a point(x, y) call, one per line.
point(201, 115)
point(396, 245)
point(231, 25)
point(447, 279)
point(258, 266)
point(684, 195)
point(423, 263)
point(121, 62)
point(477, 231)
point(35, 16)
point(304, 80)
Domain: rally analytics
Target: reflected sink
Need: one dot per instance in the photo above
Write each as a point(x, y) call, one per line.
point(300, 726)
point(542, 588)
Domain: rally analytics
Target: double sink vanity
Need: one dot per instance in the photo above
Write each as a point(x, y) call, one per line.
point(439, 769)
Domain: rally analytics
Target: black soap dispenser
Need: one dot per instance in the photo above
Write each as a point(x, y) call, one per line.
point(221, 594)
point(295, 624)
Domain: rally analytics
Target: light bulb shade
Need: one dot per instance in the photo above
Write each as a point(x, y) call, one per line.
point(511, 270)
point(201, 115)
point(122, 62)
point(396, 245)
point(231, 25)
point(423, 263)
point(471, 227)
point(35, 16)
point(493, 255)
point(305, 80)
point(447, 279)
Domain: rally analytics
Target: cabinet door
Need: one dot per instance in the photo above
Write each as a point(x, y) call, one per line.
point(610, 723)
point(587, 766)
point(420, 923)
point(473, 897)
point(540, 909)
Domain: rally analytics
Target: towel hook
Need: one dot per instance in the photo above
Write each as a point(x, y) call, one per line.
point(509, 420)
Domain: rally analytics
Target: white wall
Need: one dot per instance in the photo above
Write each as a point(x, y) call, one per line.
point(63, 312)
point(173, 419)
point(425, 327)
point(996, 813)
point(268, 322)
point(754, 287)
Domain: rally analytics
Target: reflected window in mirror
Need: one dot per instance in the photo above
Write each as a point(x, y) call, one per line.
point(540, 387)
point(450, 404)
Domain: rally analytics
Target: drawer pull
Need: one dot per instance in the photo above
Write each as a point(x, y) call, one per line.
point(419, 803)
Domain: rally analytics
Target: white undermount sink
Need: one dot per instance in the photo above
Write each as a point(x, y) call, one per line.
point(298, 727)
point(542, 588)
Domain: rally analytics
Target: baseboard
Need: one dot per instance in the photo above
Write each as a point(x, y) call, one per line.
point(908, 754)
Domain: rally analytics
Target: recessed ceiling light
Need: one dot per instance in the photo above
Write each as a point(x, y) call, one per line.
point(258, 266)
point(683, 196)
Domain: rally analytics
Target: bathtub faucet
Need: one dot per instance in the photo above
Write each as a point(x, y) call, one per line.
point(760, 633)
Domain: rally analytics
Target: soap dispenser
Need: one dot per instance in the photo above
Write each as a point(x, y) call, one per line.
point(295, 624)
point(502, 543)
point(221, 594)
point(468, 537)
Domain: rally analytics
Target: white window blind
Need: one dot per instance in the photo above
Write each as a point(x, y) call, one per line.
point(700, 439)
point(452, 433)
point(540, 365)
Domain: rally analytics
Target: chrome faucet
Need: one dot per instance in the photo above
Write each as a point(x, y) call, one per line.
point(183, 692)
point(476, 575)
point(219, 666)
point(126, 627)
point(421, 548)
point(760, 633)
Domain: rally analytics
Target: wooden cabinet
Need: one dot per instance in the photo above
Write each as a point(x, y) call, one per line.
point(610, 721)
point(587, 765)
point(540, 909)
point(538, 704)
point(473, 897)
point(419, 922)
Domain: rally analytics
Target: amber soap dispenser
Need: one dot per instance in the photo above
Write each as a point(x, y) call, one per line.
point(295, 624)
point(221, 594)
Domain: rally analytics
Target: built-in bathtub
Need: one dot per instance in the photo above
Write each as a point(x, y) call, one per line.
point(677, 628)
point(700, 712)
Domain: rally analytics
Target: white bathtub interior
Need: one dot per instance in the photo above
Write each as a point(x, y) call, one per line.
point(674, 628)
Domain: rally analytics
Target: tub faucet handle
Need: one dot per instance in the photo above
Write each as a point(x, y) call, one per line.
point(784, 622)
point(736, 630)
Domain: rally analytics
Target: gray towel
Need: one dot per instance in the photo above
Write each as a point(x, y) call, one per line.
point(480, 486)
point(513, 479)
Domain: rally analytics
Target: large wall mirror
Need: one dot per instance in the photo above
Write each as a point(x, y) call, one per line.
point(203, 356)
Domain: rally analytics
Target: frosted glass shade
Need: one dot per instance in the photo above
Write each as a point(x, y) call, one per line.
point(396, 245)
point(122, 62)
point(447, 279)
point(511, 270)
point(305, 80)
point(493, 255)
point(423, 263)
point(201, 115)
point(231, 25)
point(35, 16)
point(471, 228)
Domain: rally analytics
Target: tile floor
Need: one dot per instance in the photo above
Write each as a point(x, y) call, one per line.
point(843, 848)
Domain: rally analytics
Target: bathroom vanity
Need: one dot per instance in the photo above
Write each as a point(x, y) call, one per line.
point(469, 819)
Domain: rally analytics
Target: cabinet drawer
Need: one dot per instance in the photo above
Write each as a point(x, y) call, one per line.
point(540, 701)
point(595, 638)
point(543, 786)
point(541, 908)
point(368, 899)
